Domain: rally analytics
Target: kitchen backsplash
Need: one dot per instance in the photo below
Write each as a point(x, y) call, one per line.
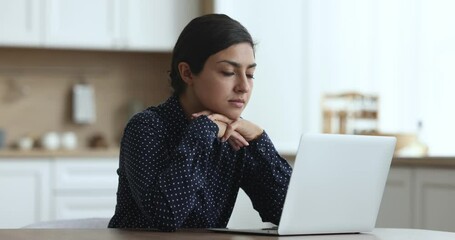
point(36, 90)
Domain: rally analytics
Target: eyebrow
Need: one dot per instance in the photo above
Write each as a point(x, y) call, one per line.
point(236, 64)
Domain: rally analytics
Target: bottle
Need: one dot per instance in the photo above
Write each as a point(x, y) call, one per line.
point(422, 146)
point(417, 148)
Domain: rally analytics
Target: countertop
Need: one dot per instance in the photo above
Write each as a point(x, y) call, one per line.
point(429, 161)
point(37, 153)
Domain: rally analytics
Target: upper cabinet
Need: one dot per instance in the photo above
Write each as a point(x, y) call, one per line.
point(143, 25)
point(21, 22)
point(81, 23)
point(154, 24)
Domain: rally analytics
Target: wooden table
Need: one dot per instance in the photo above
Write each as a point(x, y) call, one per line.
point(199, 234)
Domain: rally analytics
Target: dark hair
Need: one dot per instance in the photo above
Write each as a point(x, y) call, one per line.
point(201, 38)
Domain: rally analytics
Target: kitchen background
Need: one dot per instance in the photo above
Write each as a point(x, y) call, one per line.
point(400, 53)
point(37, 90)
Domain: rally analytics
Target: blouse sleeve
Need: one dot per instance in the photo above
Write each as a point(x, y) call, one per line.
point(265, 178)
point(164, 182)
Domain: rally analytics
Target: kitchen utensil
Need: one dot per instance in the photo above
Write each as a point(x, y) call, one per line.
point(50, 141)
point(25, 143)
point(68, 140)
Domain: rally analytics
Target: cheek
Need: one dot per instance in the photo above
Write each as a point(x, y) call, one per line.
point(215, 88)
point(208, 91)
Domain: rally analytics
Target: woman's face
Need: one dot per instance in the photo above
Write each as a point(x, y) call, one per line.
point(225, 83)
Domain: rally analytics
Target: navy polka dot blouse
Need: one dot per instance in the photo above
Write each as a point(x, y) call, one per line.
point(175, 173)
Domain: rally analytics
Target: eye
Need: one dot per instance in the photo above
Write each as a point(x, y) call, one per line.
point(251, 76)
point(228, 74)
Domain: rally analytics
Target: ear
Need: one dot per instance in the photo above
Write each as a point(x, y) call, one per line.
point(185, 73)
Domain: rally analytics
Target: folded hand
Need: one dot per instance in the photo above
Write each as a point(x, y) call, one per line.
point(237, 132)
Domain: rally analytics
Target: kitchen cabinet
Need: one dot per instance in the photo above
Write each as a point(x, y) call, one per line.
point(75, 187)
point(154, 25)
point(141, 25)
point(82, 206)
point(278, 98)
point(396, 208)
point(419, 198)
point(80, 23)
point(84, 188)
point(435, 198)
point(43, 189)
point(21, 22)
point(25, 191)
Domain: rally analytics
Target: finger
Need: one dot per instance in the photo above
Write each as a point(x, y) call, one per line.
point(230, 128)
point(240, 138)
point(197, 114)
point(243, 141)
point(234, 144)
point(240, 144)
point(220, 117)
point(227, 134)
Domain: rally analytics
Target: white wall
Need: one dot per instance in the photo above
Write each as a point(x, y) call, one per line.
point(403, 50)
point(278, 28)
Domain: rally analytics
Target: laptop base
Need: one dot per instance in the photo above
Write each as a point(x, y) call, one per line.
point(270, 231)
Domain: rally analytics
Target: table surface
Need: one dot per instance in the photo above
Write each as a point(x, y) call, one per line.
point(116, 234)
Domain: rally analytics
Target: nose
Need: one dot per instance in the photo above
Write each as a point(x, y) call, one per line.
point(243, 85)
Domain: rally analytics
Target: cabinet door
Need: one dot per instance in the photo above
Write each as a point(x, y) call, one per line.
point(24, 188)
point(81, 23)
point(85, 174)
point(155, 24)
point(84, 205)
point(435, 199)
point(20, 22)
point(396, 208)
point(84, 187)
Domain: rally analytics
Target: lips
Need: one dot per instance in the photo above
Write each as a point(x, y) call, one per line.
point(239, 103)
point(237, 100)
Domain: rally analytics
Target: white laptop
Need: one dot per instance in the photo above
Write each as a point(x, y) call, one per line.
point(336, 185)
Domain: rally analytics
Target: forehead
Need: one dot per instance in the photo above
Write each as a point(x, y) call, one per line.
point(241, 53)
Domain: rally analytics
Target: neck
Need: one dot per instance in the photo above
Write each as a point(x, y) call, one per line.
point(189, 104)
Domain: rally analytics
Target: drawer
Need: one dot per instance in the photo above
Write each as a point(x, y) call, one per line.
point(85, 174)
point(84, 206)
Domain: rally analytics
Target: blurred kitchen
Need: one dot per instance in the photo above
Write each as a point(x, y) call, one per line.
point(72, 72)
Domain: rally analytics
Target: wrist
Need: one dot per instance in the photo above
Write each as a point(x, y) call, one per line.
point(258, 134)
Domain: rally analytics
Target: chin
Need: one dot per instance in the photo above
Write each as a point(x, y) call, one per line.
point(233, 115)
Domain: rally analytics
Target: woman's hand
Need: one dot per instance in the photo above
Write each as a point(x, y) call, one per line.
point(247, 129)
point(237, 132)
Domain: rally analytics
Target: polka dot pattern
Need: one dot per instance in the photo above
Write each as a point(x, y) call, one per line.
point(175, 173)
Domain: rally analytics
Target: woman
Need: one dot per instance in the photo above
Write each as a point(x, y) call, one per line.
point(183, 162)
